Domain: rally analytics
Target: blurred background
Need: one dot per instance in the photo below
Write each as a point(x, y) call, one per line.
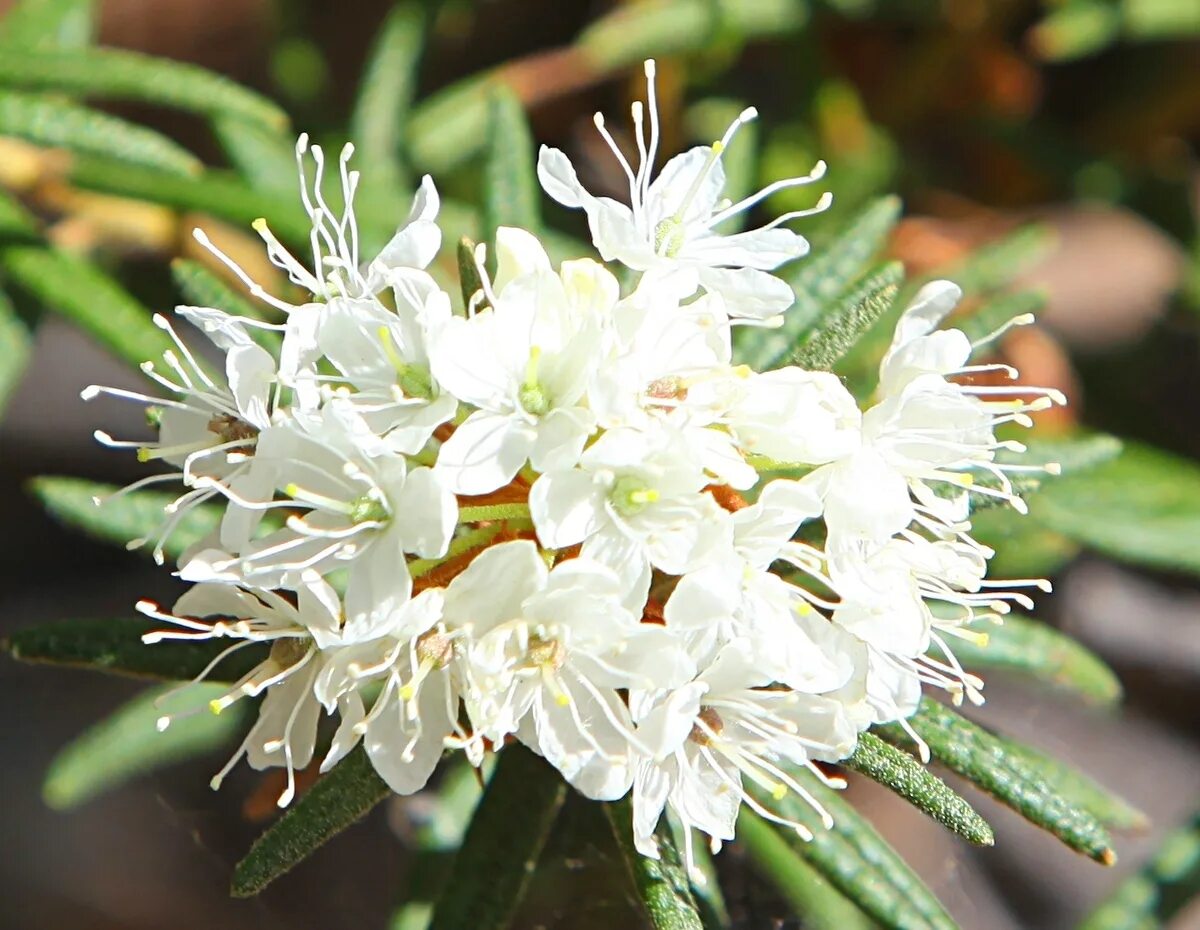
point(1082, 117)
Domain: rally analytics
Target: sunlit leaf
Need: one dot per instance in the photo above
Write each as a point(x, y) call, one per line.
point(50, 122)
point(112, 73)
point(992, 765)
point(263, 155)
point(49, 24)
point(385, 95)
point(1038, 651)
point(661, 884)
point(1143, 506)
point(128, 743)
point(82, 293)
point(136, 515)
point(916, 784)
point(849, 318)
point(510, 183)
point(855, 859)
point(335, 802)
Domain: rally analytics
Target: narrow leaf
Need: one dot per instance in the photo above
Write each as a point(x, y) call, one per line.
point(388, 84)
point(78, 290)
point(812, 898)
point(994, 766)
point(510, 181)
point(335, 802)
point(262, 154)
point(48, 24)
point(916, 784)
point(997, 263)
point(116, 646)
point(112, 73)
point(842, 326)
point(1142, 506)
point(220, 194)
point(502, 845)
point(128, 743)
point(1030, 648)
point(1109, 808)
point(50, 122)
point(856, 860)
point(16, 225)
point(818, 280)
point(1158, 891)
point(136, 515)
point(15, 345)
point(661, 884)
point(710, 903)
point(468, 274)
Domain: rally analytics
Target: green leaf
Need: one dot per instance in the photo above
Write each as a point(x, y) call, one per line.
point(335, 802)
point(220, 194)
point(710, 903)
point(1024, 548)
point(841, 327)
point(1159, 890)
point(509, 177)
point(916, 784)
point(15, 222)
point(812, 898)
point(818, 280)
point(50, 122)
point(115, 646)
point(855, 859)
point(997, 263)
point(111, 73)
point(500, 850)
point(661, 884)
point(1076, 29)
point(48, 24)
point(1143, 506)
point(388, 85)
point(78, 290)
point(1109, 808)
point(15, 345)
point(136, 515)
point(1034, 649)
point(262, 154)
point(997, 767)
point(128, 743)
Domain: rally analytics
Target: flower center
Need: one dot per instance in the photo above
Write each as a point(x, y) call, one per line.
point(708, 724)
point(549, 654)
point(436, 648)
point(414, 380)
point(231, 429)
point(630, 495)
point(532, 396)
point(368, 509)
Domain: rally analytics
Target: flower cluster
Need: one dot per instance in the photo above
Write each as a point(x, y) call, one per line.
point(564, 516)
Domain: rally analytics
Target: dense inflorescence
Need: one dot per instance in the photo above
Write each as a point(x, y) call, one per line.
point(565, 516)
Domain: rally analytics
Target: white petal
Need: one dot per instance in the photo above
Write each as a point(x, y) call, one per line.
point(485, 452)
point(491, 589)
point(559, 180)
point(518, 253)
point(749, 293)
point(764, 249)
point(426, 514)
point(566, 506)
point(561, 435)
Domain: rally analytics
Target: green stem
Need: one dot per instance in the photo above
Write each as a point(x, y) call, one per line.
point(465, 543)
point(662, 884)
point(492, 512)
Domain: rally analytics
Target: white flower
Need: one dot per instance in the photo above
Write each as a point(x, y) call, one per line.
point(739, 598)
point(383, 356)
point(670, 223)
point(364, 511)
point(525, 363)
point(926, 432)
point(411, 717)
point(726, 726)
point(545, 652)
point(635, 502)
point(209, 430)
point(286, 730)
